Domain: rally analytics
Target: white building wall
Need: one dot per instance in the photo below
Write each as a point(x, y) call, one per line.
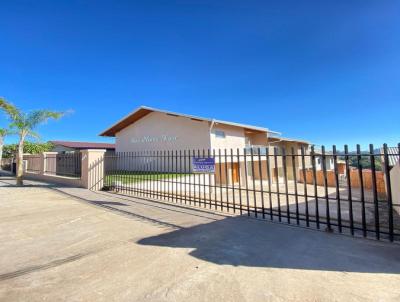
point(234, 138)
point(157, 142)
point(159, 131)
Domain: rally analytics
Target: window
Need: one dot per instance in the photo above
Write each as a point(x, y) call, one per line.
point(318, 161)
point(219, 134)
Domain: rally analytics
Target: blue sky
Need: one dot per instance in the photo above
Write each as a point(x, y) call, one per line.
point(323, 71)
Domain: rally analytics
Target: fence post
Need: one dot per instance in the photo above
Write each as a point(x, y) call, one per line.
point(92, 173)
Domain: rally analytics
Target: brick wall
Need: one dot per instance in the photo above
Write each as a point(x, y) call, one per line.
point(354, 179)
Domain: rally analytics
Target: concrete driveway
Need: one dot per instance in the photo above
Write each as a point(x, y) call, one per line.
point(69, 244)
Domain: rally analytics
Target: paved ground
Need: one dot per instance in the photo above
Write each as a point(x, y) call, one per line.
point(68, 244)
point(248, 198)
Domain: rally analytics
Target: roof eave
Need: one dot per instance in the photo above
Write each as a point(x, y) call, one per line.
point(110, 132)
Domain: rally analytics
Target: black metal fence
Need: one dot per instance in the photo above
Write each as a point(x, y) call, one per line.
point(338, 191)
point(63, 164)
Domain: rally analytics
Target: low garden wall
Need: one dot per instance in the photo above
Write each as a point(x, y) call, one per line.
point(354, 179)
point(90, 164)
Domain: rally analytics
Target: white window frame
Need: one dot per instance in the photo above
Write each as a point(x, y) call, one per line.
point(219, 134)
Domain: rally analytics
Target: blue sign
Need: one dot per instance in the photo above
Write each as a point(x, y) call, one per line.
point(203, 165)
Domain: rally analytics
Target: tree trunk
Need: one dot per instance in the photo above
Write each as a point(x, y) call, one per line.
point(1, 150)
point(20, 163)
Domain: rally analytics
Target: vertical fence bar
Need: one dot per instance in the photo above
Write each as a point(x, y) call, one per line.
point(204, 183)
point(171, 176)
point(388, 191)
point(160, 176)
point(303, 164)
point(261, 182)
point(284, 163)
point(168, 176)
point(126, 172)
point(239, 177)
point(129, 176)
point(209, 182)
point(247, 185)
point(144, 173)
point(226, 180)
point(181, 177)
point(215, 181)
point(150, 173)
point(138, 175)
point(194, 181)
point(277, 184)
point(186, 174)
point(190, 176)
point(133, 172)
point(195, 184)
point(349, 195)
point(165, 175)
point(220, 179)
point(338, 201)
point(296, 195)
point(178, 178)
point(121, 172)
point(115, 172)
point(271, 215)
point(327, 210)
point(315, 186)
point(175, 177)
point(254, 182)
point(233, 182)
point(361, 180)
point(199, 179)
point(154, 175)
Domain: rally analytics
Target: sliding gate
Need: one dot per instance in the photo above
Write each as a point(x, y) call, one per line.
point(336, 191)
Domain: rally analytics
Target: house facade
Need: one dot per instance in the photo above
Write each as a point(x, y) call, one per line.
point(153, 130)
point(71, 146)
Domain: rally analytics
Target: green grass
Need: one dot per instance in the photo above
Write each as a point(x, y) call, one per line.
point(135, 177)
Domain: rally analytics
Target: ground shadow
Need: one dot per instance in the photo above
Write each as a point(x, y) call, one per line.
point(240, 241)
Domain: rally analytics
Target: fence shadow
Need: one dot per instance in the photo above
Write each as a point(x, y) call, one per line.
point(239, 241)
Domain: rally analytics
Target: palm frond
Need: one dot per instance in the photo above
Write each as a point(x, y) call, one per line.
point(4, 132)
point(33, 135)
point(37, 117)
point(9, 109)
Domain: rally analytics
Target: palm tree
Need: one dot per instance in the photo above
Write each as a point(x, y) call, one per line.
point(3, 133)
point(24, 124)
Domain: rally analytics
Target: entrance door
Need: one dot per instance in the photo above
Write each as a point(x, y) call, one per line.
point(235, 172)
point(275, 175)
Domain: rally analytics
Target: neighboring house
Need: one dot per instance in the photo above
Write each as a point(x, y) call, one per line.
point(329, 164)
point(68, 146)
point(393, 156)
point(150, 129)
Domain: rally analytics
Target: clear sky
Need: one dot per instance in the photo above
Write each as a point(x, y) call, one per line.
point(323, 71)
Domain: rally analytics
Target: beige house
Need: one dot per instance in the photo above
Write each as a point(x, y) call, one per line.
point(149, 129)
point(70, 146)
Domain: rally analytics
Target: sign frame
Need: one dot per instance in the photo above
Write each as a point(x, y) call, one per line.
point(203, 165)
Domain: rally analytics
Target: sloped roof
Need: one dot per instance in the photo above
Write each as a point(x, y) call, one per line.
point(142, 111)
point(393, 155)
point(277, 139)
point(84, 145)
